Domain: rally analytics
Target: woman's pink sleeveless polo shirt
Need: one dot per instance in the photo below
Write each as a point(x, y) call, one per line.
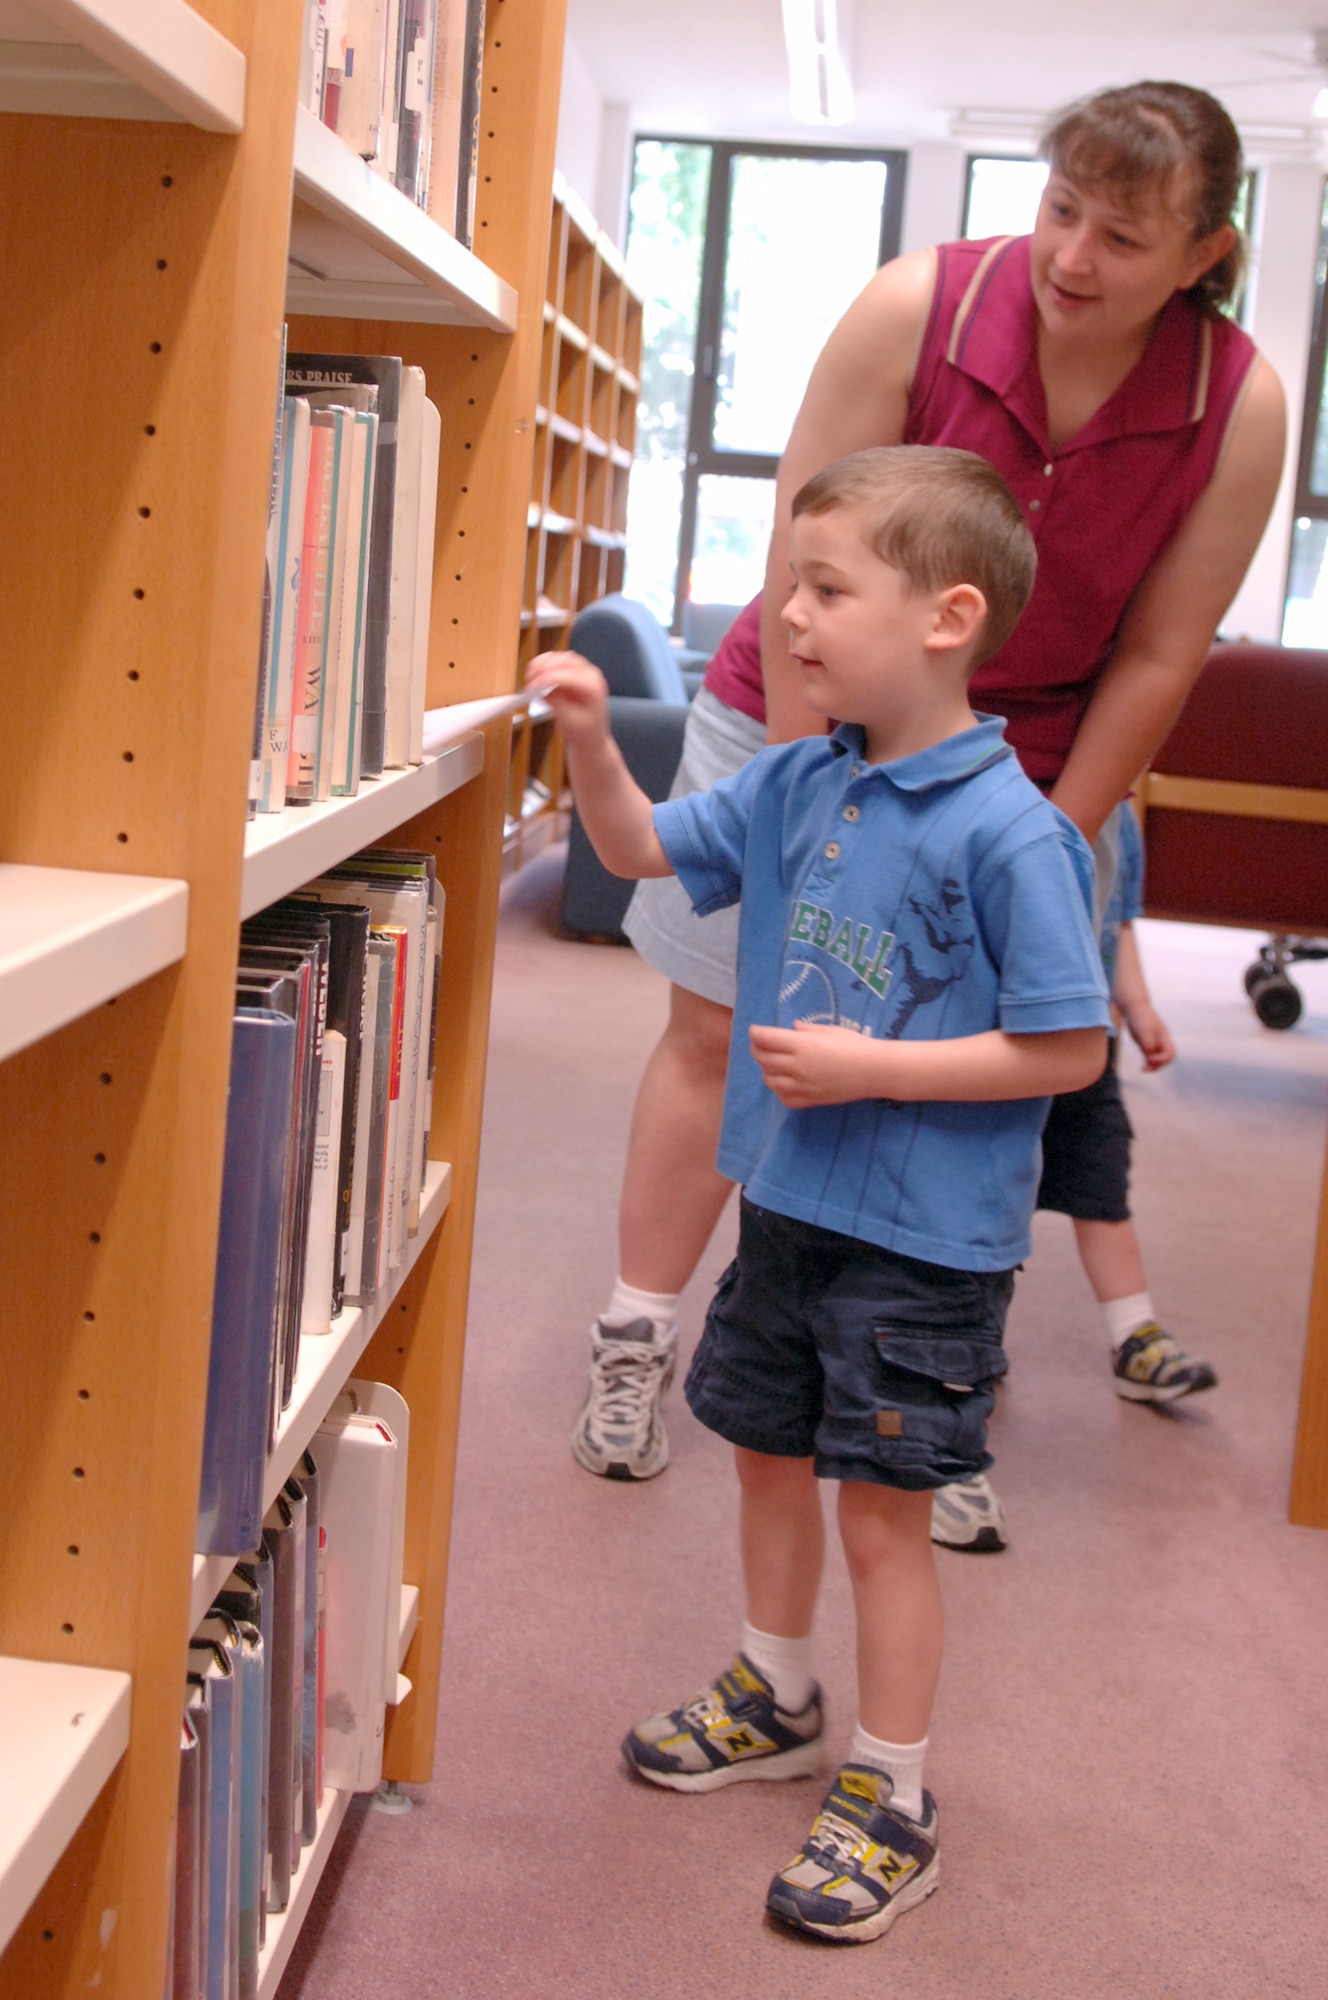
point(1101, 508)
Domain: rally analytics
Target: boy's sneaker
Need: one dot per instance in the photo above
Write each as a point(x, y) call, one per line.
point(968, 1515)
point(735, 1729)
point(1150, 1368)
point(620, 1432)
point(863, 1863)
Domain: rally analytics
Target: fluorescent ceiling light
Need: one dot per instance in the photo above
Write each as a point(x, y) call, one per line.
point(819, 87)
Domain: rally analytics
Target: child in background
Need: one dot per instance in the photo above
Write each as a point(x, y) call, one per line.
point(916, 975)
point(1085, 1175)
point(1086, 1163)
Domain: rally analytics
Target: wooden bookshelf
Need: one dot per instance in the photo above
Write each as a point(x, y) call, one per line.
point(576, 523)
point(148, 223)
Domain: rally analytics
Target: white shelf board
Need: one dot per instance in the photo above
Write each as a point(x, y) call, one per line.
point(283, 1926)
point(71, 939)
point(410, 1618)
point(154, 59)
point(360, 249)
point(284, 850)
point(63, 1730)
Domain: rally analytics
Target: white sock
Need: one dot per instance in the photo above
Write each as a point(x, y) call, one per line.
point(1126, 1316)
point(786, 1664)
point(628, 1304)
point(902, 1764)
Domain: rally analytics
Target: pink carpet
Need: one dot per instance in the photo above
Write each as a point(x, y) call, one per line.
point(1128, 1748)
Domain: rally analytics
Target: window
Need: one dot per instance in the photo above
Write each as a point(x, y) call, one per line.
point(746, 256)
point(1002, 195)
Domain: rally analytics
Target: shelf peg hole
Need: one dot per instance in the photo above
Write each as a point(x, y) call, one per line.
point(161, 263)
point(100, 1159)
point(89, 1316)
point(67, 1628)
point(123, 839)
point(154, 347)
point(72, 1550)
point(85, 1395)
point(140, 594)
point(145, 513)
point(127, 756)
point(105, 1076)
point(94, 1236)
point(79, 1472)
point(132, 674)
point(168, 180)
point(48, 1936)
point(150, 430)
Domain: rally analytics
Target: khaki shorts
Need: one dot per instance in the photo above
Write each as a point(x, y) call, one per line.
point(699, 953)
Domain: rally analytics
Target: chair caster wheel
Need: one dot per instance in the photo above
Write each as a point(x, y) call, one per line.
point(1277, 1002)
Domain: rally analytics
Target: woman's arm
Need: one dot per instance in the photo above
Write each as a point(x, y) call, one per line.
point(857, 396)
point(1169, 626)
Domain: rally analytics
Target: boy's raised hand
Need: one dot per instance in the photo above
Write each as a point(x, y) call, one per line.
point(813, 1064)
point(577, 693)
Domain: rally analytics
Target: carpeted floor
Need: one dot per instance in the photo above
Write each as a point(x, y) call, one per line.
point(1128, 1747)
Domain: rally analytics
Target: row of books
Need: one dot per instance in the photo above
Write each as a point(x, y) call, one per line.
point(399, 82)
point(327, 1135)
point(289, 1678)
point(349, 578)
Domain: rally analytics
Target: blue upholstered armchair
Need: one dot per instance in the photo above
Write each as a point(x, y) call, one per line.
point(648, 697)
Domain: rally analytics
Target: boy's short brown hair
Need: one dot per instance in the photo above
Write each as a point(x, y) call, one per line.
point(941, 517)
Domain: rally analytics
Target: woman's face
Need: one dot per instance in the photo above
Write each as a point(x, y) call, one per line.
point(1103, 272)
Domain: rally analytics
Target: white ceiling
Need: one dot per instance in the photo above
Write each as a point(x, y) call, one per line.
point(717, 67)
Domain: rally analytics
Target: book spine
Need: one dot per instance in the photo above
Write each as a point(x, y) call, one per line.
point(311, 628)
point(337, 617)
point(271, 575)
point(469, 148)
point(360, 110)
point(430, 452)
point(347, 754)
point(285, 610)
point(320, 1252)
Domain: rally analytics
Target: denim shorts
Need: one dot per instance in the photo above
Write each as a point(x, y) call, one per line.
point(1086, 1152)
point(700, 953)
point(881, 1367)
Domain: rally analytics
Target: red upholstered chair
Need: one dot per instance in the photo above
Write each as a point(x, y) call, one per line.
point(1236, 811)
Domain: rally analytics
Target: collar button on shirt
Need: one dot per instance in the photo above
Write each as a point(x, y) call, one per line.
point(832, 850)
point(852, 812)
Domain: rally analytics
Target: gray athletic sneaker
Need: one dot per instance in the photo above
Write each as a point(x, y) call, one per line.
point(620, 1432)
point(968, 1515)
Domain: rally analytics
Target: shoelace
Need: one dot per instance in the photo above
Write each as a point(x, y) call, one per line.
point(626, 1381)
point(835, 1838)
point(705, 1712)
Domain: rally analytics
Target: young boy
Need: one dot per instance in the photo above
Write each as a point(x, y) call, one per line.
point(916, 974)
point(1085, 1175)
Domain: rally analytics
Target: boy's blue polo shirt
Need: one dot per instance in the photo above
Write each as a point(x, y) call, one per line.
point(937, 896)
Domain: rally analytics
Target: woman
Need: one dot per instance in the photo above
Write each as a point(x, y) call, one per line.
point(1143, 434)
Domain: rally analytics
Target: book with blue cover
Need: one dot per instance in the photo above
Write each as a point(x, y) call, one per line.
point(235, 1439)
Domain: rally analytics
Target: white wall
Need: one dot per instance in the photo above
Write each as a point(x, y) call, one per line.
point(594, 146)
point(1287, 235)
point(580, 119)
point(933, 193)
